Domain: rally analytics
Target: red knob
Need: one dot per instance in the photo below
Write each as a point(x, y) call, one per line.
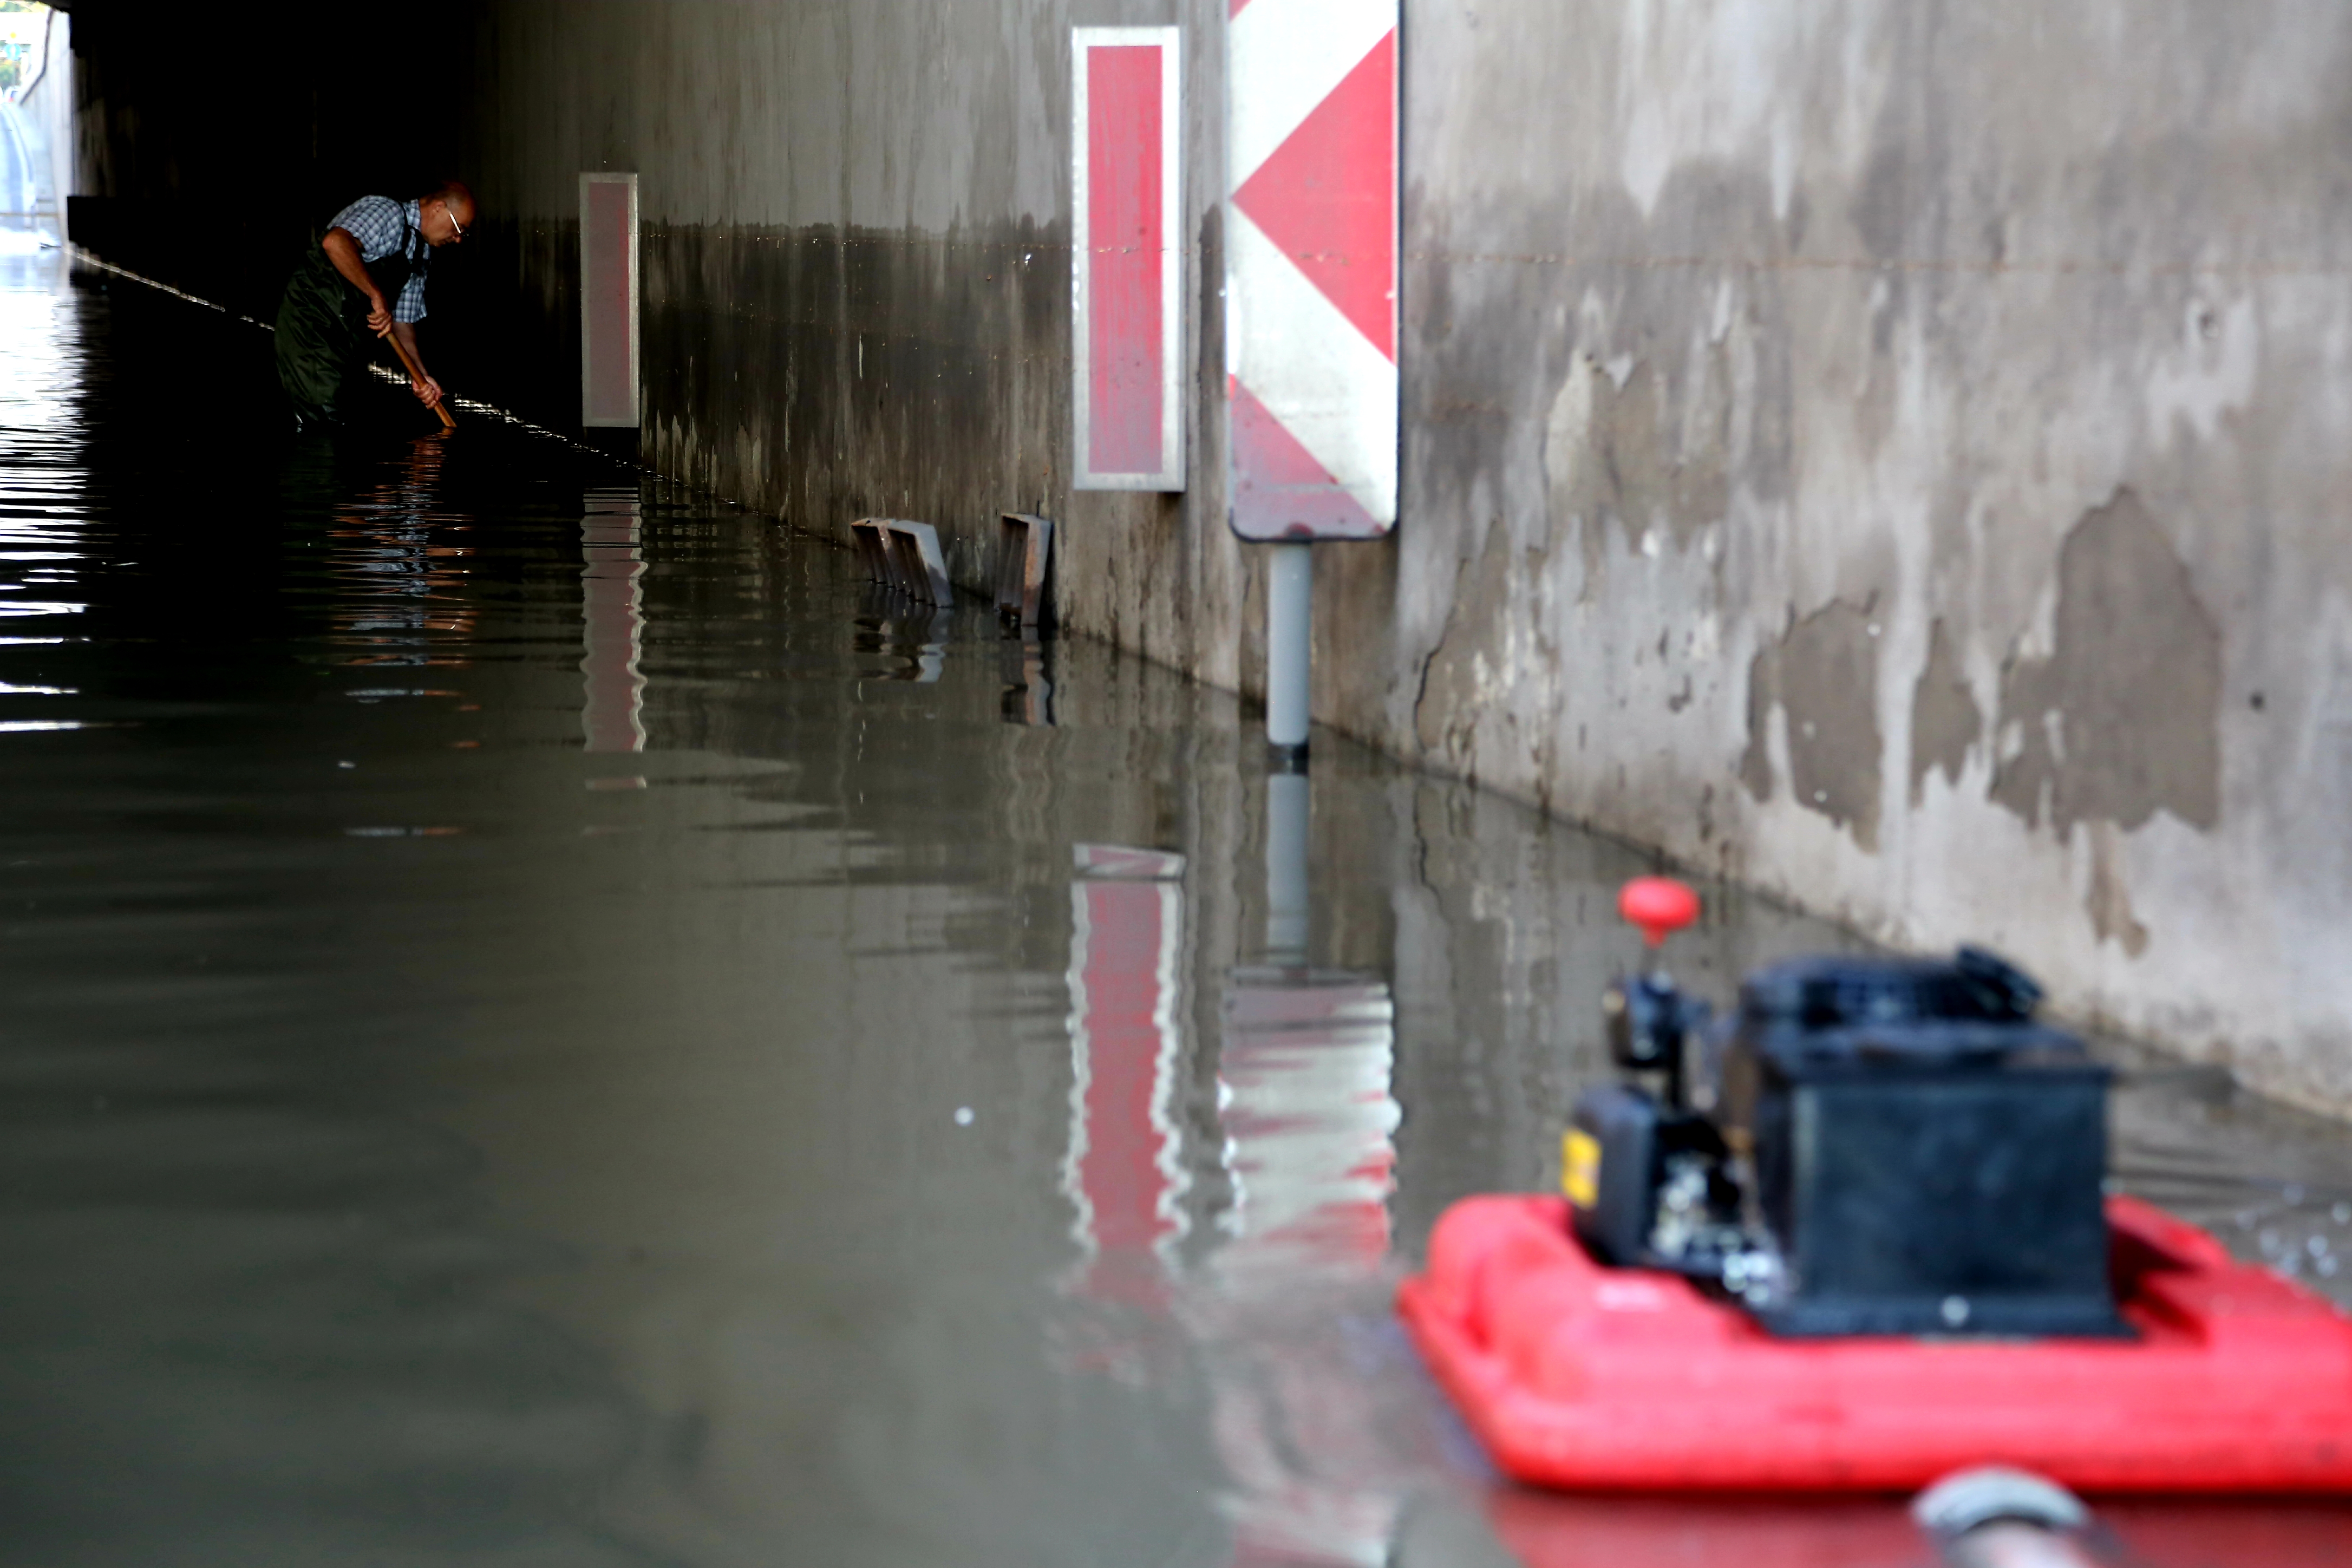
point(1659, 905)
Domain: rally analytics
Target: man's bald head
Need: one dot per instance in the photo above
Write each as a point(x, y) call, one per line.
point(456, 202)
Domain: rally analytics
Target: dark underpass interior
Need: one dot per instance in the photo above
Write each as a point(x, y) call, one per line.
point(551, 1022)
point(548, 1023)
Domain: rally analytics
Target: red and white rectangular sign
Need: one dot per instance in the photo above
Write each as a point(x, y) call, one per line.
point(1311, 268)
point(608, 300)
point(1127, 273)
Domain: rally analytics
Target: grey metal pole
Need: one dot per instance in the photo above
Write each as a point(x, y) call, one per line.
point(1289, 643)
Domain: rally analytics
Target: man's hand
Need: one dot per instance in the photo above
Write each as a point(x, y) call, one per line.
point(420, 381)
point(379, 316)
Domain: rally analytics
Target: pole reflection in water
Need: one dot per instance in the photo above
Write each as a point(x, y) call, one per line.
point(612, 600)
point(1276, 1313)
point(1304, 1099)
point(1287, 806)
point(1303, 1088)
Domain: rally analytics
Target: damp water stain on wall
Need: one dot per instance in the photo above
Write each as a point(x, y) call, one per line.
point(1822, 677)
point(2122, 719)
point(1944, 719)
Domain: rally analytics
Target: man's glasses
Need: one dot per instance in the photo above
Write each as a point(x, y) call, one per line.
point(456, 229)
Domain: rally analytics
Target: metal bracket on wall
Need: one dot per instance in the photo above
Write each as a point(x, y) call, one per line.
point(904, 557)
point(922, 569)
point(1025, 552)
point(869, 534)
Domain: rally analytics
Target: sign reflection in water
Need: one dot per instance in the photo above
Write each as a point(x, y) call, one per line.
point(1303, 1096)
point(1304, 1103)
point(1125, 1174)
point(1305, 1121)
point(612, 601)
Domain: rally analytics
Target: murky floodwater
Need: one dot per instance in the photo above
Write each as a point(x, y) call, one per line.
point(547, 1026)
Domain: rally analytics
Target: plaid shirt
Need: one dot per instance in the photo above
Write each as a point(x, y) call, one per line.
point(376, 224)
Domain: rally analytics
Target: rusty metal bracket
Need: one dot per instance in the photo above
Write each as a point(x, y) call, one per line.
point(923, 570)
point(870, 534)
point(904, 557)
point(1024, 552)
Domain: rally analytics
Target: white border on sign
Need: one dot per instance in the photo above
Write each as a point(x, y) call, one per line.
point(587, 416)
point(1170, 475)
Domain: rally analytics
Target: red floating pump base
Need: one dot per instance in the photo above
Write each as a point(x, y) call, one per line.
point(1580, 1376)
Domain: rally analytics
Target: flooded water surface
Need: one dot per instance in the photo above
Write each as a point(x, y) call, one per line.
point(547, 1024)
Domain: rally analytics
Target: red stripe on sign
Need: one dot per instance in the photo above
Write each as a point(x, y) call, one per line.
point(1125, 248)
point(612, 366)
point(1328, 196)
point(1278, 487)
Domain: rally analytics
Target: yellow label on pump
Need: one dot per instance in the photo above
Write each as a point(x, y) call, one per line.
point(1580, 1167)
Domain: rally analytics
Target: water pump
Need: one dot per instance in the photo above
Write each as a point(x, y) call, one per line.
point(1866, 1146)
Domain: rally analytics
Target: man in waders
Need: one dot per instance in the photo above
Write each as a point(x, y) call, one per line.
point(365, 276)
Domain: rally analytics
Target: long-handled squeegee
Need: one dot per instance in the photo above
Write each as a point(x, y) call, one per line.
point(417, 372)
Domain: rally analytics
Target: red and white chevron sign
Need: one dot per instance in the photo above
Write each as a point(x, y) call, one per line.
point(1311, 285)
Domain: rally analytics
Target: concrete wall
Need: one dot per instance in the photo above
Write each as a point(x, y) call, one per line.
point(1895, 453)
point(856, 272)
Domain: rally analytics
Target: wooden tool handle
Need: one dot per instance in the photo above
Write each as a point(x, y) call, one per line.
point(401, 349)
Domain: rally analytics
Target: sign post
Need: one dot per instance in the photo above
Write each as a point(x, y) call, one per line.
point(1310, 301)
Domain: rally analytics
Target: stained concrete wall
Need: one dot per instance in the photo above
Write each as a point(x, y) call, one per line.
point(1896, 453)
point(857, 271)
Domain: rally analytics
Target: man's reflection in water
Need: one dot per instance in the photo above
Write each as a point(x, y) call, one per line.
point(1306, 1118)
point(401, 574)
point(611, 599)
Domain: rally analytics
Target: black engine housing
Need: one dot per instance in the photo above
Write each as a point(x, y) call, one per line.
point(1896, 1147)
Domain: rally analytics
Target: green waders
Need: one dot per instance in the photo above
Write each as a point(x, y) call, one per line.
point(322, 331)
